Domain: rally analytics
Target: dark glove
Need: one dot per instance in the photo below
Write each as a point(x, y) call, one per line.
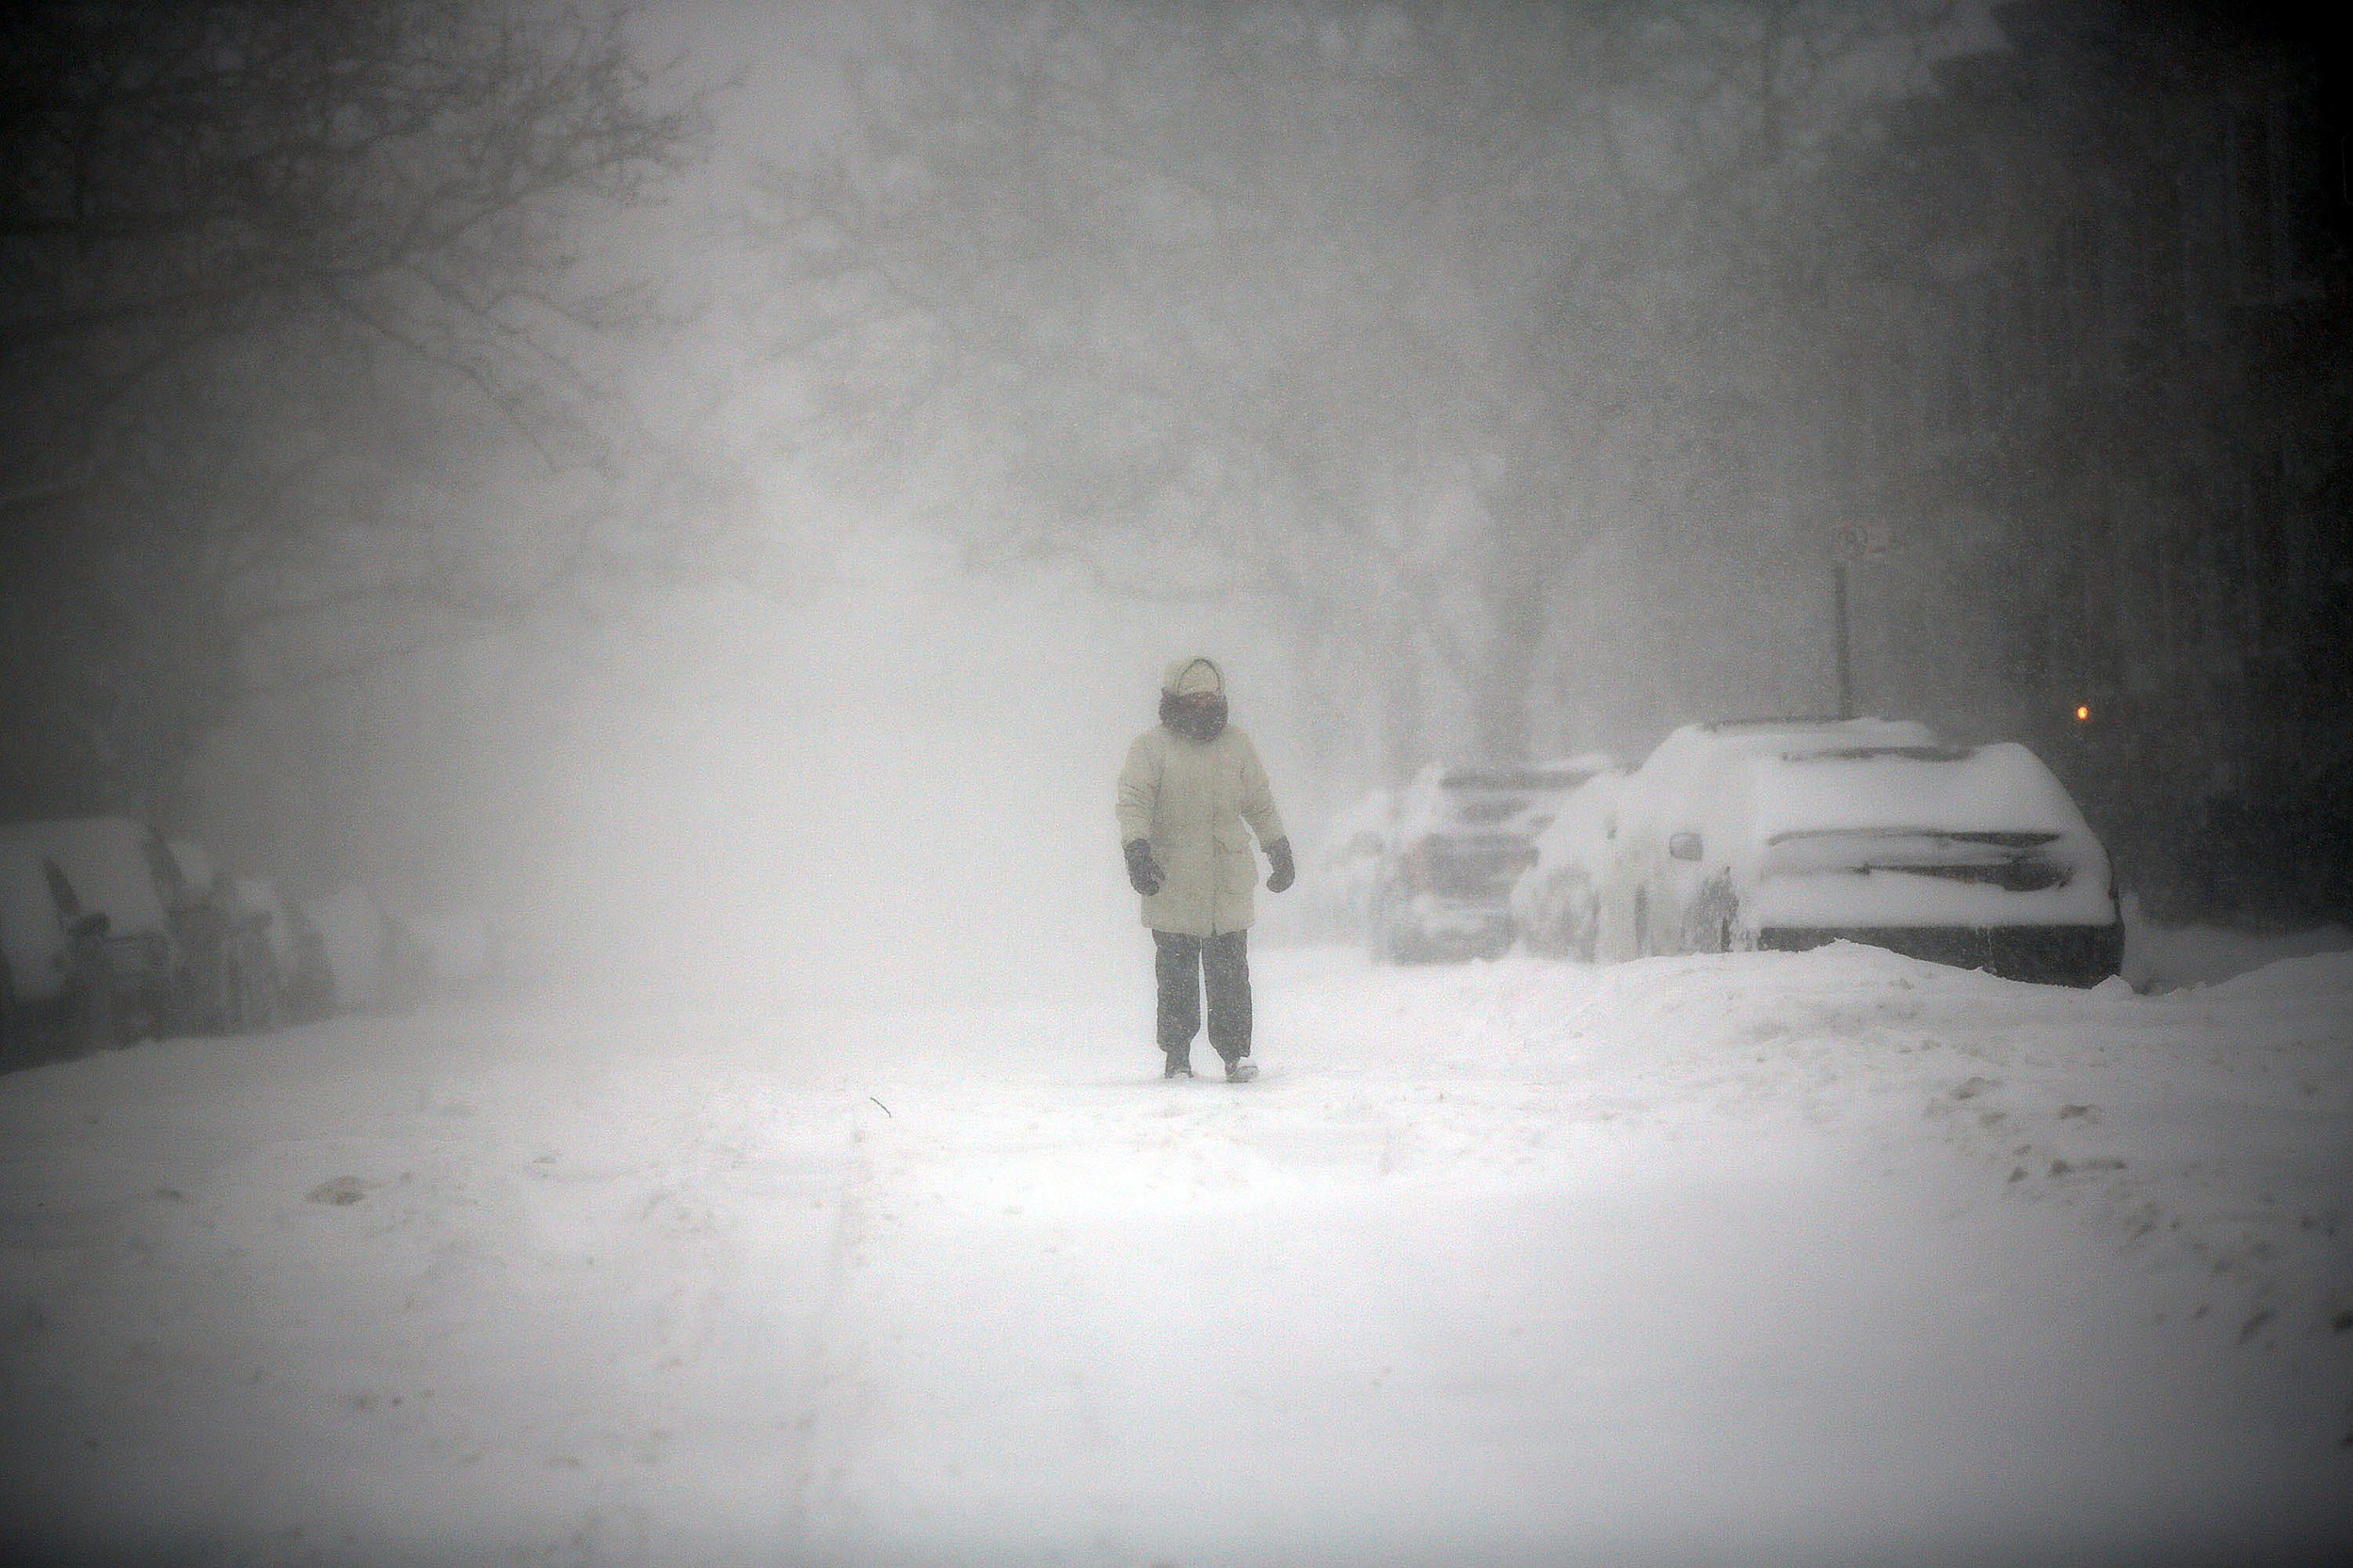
point(1143, 873)
point(1286, 873)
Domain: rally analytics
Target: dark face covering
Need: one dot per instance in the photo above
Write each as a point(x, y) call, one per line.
point(1193, 719)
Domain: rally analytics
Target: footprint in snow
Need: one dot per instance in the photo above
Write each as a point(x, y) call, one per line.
point(342, 1191)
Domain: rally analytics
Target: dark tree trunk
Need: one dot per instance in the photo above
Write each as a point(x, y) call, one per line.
point(1520, 604)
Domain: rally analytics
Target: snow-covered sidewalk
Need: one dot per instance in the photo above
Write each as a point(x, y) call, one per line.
point(1744, 1259)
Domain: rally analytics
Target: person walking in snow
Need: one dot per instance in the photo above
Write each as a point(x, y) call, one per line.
point(1187, 790)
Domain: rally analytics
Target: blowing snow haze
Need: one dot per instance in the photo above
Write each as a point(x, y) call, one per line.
point(649, 531)
point(440, 480)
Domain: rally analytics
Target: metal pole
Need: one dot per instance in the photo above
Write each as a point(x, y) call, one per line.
point(1838, 607)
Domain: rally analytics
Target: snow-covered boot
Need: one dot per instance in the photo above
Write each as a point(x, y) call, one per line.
point(1178, 1065)
point(1239, 1069)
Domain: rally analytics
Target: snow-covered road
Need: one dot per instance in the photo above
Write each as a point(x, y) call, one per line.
point(1744, 1259)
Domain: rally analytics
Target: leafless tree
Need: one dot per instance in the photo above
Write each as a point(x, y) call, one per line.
point(281, 288)
point(1388, 312)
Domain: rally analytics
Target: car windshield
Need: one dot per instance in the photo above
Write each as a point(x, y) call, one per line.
point(1519, 780)
point(1509, 810)
point(1515, 801)
point(1483, 807)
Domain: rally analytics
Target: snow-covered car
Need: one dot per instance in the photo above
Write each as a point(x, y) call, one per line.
point(1974, 856)
point(1555, 904)
point(1969, 855)
point(1343, 868)
point(1646, 887)
point(1460, 838)
point(116, 867)
point(233, 979)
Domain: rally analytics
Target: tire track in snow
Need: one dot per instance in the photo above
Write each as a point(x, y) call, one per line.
point(829, 1390)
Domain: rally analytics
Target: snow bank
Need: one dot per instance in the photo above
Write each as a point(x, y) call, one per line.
point(2297, 981)
point(2160, 958)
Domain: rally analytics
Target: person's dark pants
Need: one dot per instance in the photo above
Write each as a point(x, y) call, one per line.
point(1183, 965)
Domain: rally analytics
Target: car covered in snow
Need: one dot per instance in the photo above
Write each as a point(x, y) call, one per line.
point(1555, 902)
point(1969, 855)
point(1870, 832)
point(1460, 838)
point(116, 867)
point(233, 978)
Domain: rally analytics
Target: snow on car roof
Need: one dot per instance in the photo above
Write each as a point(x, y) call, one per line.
point(2002, 788)
point(1713, 743)
point(1688, 770)
point(1860, 732)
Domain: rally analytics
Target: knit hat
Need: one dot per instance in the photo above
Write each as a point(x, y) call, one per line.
point(1189, 676)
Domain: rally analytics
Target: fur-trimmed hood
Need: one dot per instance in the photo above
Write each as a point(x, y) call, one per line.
point(1194, 678)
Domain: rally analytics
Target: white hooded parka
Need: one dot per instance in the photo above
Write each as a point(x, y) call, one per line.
point(1190, 800)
